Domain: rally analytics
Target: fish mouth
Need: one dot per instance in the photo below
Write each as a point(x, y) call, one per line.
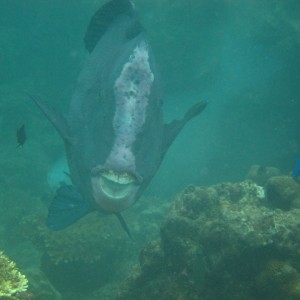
point(114, 190)
point(116, 185)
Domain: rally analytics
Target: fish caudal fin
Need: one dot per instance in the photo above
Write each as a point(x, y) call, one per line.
point(66, 208)
point(171, 130)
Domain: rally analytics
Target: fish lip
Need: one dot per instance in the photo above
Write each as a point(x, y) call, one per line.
point(116, 185)
point(114, 190)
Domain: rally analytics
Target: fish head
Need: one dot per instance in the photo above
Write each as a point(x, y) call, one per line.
point(116, 182)
point(114, 189)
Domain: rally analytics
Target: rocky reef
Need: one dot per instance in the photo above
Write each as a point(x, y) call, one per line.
point(89, 259)
point(226, 241)
point(283, 192)
point(261, 174)
point(81, 258)
point(13, 284)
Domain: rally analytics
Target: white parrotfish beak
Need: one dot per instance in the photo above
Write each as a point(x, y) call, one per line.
point(113, 190)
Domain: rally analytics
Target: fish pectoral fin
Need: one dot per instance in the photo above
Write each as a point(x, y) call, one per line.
point(56, 118)
point(172, 129)
point(67, 207)
point(194, 111)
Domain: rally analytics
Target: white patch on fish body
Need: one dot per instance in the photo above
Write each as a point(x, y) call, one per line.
point(131, 89)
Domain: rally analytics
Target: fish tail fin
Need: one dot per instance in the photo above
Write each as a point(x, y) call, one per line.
point(66, 208)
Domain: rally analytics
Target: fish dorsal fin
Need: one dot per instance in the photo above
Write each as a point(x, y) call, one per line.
point(172, 129)
point(103, 18)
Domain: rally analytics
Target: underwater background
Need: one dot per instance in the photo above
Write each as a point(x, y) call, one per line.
point(242, 57)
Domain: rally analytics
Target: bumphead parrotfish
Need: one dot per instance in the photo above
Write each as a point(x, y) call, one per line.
point(114, 134)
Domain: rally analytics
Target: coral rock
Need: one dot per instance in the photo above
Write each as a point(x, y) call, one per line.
point(13, 284)
point(260, 175)
point(283, 192)
point(215, 244)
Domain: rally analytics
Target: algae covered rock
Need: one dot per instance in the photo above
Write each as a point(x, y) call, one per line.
point(215, 244)
point(83, 257)
point(94, 254)
point(279, 280)
point(260, 174)
point(13, 284)
point(40, 286)
point(283, 192)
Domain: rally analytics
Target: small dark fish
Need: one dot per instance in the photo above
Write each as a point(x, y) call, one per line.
point(296, 171)
point(21, 136)
point(261, 171)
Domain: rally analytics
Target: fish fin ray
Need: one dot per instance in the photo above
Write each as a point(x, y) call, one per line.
point(66, 208)
point(123, 224)
point(172, 129)
point(56, 119)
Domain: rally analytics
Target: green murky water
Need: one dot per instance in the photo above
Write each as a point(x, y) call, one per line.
point(241, 56)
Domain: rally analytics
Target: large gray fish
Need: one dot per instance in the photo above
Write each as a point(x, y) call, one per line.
point(114, 135)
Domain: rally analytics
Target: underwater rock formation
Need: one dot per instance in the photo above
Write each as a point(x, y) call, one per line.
point(260, 174)
point(13, 284)
point(279, 280)
point(40, 288)
point(283, 192)
point(89, 257)
point(216, 243)
point(84, 256)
